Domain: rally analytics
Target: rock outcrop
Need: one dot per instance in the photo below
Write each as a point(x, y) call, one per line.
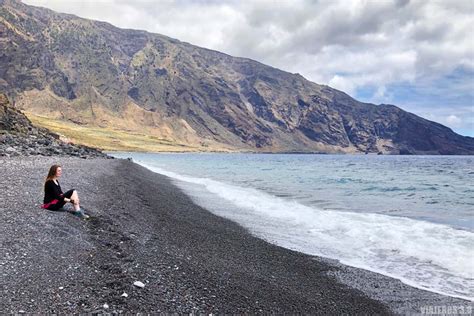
point(91, 72)
point(18, 137)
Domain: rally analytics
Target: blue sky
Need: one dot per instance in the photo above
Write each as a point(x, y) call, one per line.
point(416, 54)
point(447, 99)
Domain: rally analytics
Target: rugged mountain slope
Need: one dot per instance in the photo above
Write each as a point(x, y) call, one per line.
point(91, 72)
point(19, 137)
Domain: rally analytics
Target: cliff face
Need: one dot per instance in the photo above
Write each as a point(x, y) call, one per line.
point(91, 72)
point(19, 137)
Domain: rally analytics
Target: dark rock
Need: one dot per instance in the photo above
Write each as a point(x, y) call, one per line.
point(20, 137)
point(405, 151)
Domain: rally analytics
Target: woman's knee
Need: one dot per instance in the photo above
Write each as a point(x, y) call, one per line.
point(75, 197)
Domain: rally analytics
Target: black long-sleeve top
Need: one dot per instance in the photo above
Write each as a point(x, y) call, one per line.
point(52, 191)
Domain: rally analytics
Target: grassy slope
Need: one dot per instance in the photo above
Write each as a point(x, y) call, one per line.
point(107, 138)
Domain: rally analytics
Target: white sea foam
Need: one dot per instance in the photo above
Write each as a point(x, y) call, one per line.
point(430, 256)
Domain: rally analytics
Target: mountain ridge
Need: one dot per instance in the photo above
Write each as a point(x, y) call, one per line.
point(93, 73)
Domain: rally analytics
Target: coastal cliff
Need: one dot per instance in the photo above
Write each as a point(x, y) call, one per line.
point(91, 73)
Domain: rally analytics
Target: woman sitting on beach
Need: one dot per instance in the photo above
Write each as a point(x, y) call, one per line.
point(54, 198)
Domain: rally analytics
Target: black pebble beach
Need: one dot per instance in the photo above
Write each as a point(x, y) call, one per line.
point(144, 228)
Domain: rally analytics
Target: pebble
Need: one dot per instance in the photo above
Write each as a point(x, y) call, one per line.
point(106, 306)
point(124, 294)
point(139, 284)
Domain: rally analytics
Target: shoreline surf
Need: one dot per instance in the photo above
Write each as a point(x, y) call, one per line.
point(345, 259)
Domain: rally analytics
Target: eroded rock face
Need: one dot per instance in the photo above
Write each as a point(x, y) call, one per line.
point(82, 69)
point(18, 137)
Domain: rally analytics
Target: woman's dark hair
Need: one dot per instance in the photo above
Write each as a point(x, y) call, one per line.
point(52, 172)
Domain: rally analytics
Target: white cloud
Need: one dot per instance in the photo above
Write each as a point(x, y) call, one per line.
point(453, 120)
point(341, 83)
point(381, 95)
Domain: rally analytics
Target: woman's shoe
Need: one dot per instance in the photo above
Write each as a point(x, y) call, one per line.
point(80, 214)
point(85, 216)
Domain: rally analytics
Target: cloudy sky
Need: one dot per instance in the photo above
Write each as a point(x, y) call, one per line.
point(418, 55)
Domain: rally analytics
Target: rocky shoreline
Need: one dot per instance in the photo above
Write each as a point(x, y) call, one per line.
point(19, 137)
point(143, 228)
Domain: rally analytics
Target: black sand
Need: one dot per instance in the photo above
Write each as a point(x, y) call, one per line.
point(145, 229)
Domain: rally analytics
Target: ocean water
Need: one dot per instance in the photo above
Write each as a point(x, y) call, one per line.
point(408, 217)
